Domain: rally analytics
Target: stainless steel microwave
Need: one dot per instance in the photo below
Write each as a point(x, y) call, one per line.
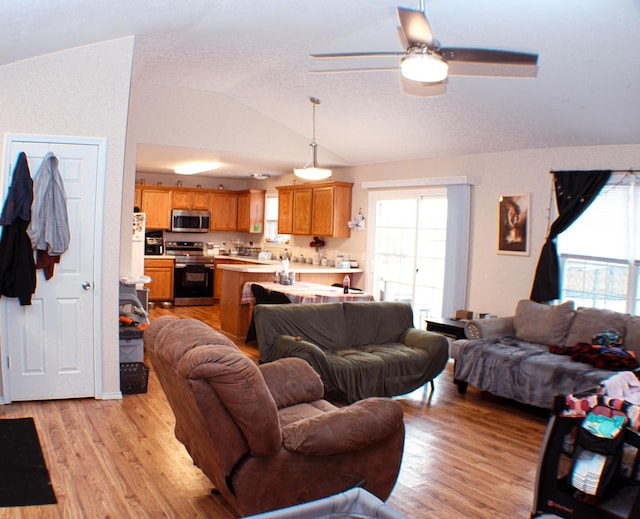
point(190, 221)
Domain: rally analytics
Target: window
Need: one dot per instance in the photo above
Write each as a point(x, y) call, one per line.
point(600, 252)
point(271, 222)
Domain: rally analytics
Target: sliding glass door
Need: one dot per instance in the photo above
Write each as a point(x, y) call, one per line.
point(412, 250)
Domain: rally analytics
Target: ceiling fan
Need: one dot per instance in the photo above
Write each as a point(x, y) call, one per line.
point(425, 65)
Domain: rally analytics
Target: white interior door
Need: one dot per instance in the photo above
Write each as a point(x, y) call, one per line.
point(50, 346)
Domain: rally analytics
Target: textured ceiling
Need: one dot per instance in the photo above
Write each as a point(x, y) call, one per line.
point(256, 53)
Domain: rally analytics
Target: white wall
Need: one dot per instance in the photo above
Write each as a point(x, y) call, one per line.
point(497, 282)
point(190, 118)
point(81, 92)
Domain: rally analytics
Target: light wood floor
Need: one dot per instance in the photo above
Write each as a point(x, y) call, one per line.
point(471, 456)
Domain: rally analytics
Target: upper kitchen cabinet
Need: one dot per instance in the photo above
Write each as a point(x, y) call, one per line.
point(251, 210)
point(321, 209)
point(190, 199)
point(157, 204)
point(137, 200)
point(302, 210)
point(224, 210)
point(285, 210)
point(332, 210)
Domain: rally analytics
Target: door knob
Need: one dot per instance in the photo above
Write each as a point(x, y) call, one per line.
point(86, 285)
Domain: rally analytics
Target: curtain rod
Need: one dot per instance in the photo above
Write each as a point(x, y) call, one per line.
point(628, 170)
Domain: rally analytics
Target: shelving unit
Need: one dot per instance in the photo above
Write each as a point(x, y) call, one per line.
point(554, 493)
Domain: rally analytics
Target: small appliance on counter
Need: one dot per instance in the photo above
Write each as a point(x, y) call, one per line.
point(154, 243)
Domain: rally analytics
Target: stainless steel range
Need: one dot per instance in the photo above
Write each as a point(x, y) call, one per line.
point(192, 274)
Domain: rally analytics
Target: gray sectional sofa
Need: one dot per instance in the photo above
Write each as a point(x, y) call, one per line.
point(510, 357)
point(359, 349)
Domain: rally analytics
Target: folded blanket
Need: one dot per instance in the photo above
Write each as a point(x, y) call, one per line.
point(603, 357)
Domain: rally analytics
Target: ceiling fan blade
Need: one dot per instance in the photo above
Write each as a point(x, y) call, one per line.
point(462, 68)
point(356, 55)
point(349, 70)
point(504, 57)
point(415, 27)
point(416, 89)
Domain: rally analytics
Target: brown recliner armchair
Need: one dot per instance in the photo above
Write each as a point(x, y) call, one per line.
point(263, 435)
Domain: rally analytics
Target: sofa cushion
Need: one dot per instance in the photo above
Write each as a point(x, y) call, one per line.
point(589, 321)
point(632, 335)
point(542, 324)
point(381, 323)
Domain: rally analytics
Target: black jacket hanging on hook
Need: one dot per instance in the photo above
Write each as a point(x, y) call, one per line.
point(17, 266)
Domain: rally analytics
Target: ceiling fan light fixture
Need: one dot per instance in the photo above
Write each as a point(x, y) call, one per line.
point(311, 170)
point(424, 66)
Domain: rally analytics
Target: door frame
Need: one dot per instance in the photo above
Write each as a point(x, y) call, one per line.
point(101, 165)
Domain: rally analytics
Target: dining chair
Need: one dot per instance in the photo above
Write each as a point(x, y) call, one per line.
point(263, 297)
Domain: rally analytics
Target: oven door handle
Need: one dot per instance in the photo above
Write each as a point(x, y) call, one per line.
point(180, 265)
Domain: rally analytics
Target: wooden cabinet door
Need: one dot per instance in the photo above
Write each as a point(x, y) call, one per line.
point(137, 199)
point(302, 205)
point(341, 210)
point(200, 200)
point(251, 211)
point(224, 211)
point(182, 199)
point(161, 274)
point(156, 203)
point(244, 206)
point(323, 211)
point(285, 211)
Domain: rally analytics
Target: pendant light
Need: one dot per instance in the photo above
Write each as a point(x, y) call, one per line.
point(311, 171)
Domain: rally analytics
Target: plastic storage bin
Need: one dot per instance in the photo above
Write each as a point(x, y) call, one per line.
point(131, 345)
point(354, 503)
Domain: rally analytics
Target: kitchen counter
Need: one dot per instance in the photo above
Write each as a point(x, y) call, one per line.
point(236, 316)
point(298, 268)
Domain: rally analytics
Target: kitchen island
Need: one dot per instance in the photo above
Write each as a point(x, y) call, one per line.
point(236, 316)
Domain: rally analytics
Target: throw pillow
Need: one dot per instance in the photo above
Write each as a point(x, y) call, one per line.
point(542, 324)
point(590, 321)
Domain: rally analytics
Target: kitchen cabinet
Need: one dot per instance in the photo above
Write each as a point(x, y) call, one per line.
point(137, 199)
point(224, 210)
point(321, 209)
point(332, 210)
point(285, 210)
point(302, 206)
point(160, 271)
point(156, 203)
point(190, 199)
point(251, 210)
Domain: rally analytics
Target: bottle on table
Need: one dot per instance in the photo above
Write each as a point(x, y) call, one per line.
point(346, 282)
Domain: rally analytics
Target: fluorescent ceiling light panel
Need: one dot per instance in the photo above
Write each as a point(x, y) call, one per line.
point(193, 168)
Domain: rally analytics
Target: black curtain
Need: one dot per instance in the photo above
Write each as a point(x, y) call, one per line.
point(575, 190)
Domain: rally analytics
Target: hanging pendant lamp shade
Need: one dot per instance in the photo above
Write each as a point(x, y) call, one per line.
point(311, 170)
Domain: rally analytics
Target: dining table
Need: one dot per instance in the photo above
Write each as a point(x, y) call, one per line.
point(304, 293)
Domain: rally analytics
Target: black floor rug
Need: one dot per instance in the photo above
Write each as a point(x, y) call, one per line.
point(24, 478)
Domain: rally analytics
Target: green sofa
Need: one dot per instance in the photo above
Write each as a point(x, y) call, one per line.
point(359, 349)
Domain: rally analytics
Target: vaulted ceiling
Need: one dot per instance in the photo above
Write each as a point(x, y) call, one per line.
point(586, 92)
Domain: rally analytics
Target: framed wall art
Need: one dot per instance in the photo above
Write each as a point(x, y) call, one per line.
point(513, 224)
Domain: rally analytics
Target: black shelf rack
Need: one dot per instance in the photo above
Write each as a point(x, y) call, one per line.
point(554, 493)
